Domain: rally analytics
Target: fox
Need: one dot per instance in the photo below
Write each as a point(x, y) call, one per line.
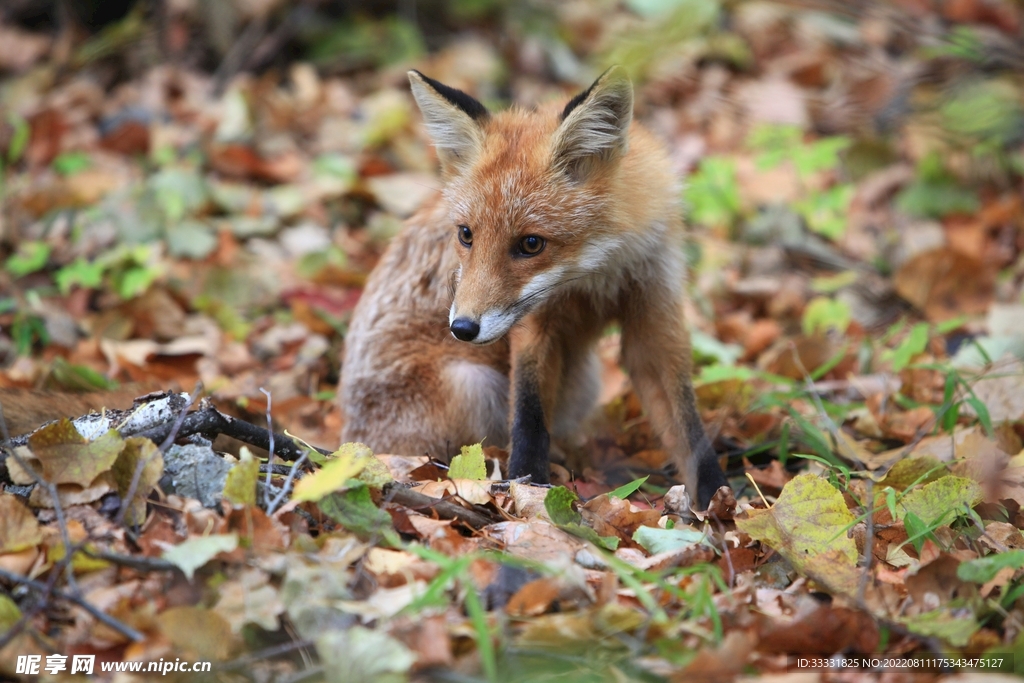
point(480, 321)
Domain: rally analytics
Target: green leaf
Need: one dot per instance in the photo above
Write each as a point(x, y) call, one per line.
point(74, 377)
point(712, 193)
point(823, 314)
point(822, 155)
point(626, 490)
point(559, 505)
point(240, 485)
point(30, 257)
point(345, 464)
point(19, 139)
point(353, 508)
point(917, 531)
point(826, 211)
point(135, 281)
point(914, 344)
point(657, 540)
point(983, 415)
point(82, 273)
point(190, 555)
point(984, 569)
point(935, 501)
point(469, 464)
point(70, 163)
point(931, 199)
point(954, 628)
point(708, 349)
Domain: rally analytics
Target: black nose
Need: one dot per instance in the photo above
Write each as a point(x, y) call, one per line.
point(465, 329)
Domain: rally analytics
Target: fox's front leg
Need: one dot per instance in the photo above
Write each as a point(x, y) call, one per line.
point(656, 353)
point(536, 367)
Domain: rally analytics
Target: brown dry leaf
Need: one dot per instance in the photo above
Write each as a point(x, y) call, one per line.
point(63, 456)
point(534, 598)
point(262, 533)
point(945, 284)
point(823, 631)
point(249, 599)
point(1002, 535)
point(197, 632)
point(536, 540)
point(19, 529)
point(1002, 391)
point(611, 516)
point(773, 477)
point(529, 501)
point(477, 492)
point(141, 454)
point(723, 662)
point(428, 638)
point(1012, 480)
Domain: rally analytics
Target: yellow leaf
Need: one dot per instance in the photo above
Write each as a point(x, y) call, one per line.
point(347, 462)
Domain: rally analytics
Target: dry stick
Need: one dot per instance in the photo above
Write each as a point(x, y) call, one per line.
point(209, 420)
point(266, 653)
point(139, 564)
point(869, 543)
point(143, 462)
point(419, 501)
point(272, 505)
point(270, 457)
point(122, 628)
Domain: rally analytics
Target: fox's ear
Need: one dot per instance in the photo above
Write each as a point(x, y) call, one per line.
point(595, 125)
point(453, 120)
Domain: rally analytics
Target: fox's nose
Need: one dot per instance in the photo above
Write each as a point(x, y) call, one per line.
point(465, 329)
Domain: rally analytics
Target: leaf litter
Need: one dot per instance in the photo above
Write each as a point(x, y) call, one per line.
point(855, 299)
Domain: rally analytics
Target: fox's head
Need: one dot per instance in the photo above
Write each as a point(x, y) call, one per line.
point(531, 196)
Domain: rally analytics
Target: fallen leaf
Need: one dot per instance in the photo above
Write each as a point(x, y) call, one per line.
point(944, 284)
point(19, 529)
point(190, 555)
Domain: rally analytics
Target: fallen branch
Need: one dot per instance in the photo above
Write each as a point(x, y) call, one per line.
point(414, 500)
point(100, 616)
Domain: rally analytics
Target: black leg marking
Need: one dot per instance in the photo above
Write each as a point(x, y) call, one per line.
point(530, 439)
point(709, 475)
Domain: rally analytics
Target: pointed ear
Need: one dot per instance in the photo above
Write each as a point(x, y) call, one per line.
point(453, 120)
point(595, 125)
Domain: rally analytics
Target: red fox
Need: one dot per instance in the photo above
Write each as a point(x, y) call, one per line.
point(481, 319)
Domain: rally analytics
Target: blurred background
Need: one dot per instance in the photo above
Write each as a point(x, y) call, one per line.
point(196, 189)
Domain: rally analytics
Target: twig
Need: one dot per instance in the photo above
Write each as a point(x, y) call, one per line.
point(266, 653)
point(869, 543)
point(279, 498)
point(209, 420)
point(122, 628)
point(444, 508)
point(270, 458)
point(138, 563)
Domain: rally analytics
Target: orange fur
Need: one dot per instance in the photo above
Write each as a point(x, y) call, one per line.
point(598, 191)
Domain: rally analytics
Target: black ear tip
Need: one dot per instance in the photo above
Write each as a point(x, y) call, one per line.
point(455, 97)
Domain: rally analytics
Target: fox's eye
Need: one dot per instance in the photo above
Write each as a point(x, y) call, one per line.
point(465, 236)
point(531, 245)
